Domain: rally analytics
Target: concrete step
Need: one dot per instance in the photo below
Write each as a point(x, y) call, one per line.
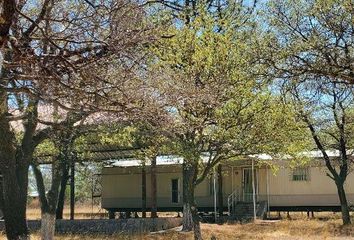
point(243, 211)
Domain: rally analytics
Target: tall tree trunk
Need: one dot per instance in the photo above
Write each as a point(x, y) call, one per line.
point(143, 190)
point(47, 225)
point(48, 217)
point(220, 193)
point(15, 179)
point(63, 184)
point(343, 203)
point(190, 211)
point(187, 214)
point(14, 163)
point(196, 222)
point(153, 188)
point(49, 201)
point(15, 174)
point(15, 198)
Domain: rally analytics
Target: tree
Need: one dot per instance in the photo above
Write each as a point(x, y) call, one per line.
point(8, 9)
point(218, 108)
point(146, 136)
point(63, 183)
point(63, 137)
point(51, 52)
point(326, 107)
point(152, 142)
point(15, 158)
point(74, 138)
point(313, 41)
point(311, 38)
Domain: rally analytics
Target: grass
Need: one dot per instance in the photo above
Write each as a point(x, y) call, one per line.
point(81, 212)
point(324, 226)
point(283, 229)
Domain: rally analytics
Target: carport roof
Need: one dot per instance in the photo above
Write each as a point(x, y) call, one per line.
point(177, 160)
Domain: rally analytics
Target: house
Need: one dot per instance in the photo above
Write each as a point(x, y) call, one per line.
point(305, 188)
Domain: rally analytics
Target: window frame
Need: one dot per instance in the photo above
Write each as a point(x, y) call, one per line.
point(300, 174)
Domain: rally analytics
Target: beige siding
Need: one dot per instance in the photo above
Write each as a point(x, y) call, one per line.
point(122, 187)
point(320, 190)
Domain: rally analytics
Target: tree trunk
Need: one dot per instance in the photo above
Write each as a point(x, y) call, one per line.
point(343, 203)
point(143, 190)
point(15, 178)
point(47, 226)
point(187, 214)
point(61, 199)
point(49, 201)
point(153, 189)
point(196, 222)
point(190, 211)
point(220, 193)
point(14, 209)
point(48, 216)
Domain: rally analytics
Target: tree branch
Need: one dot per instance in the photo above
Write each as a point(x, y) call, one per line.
point(7, 15)
point(40, 17)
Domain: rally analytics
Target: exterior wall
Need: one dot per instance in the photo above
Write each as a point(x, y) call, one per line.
point(232, 180)
point(121, 187)
point(320, 190)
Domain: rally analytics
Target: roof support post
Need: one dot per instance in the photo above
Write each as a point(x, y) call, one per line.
point(215, 212)
point(268, 196)
point(220, 192)
point(72, 190)
point(232, 179)
point(153, 188)
point(143, 189)
point(254, 191)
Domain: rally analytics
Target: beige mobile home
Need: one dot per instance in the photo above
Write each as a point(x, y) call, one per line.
point(292, 189)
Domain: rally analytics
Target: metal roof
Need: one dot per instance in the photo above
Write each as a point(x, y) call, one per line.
point(177, 160)
point(160, 160)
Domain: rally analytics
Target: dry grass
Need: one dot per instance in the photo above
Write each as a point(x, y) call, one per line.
point(325, 226)
point(85, 211)
point(284, 229)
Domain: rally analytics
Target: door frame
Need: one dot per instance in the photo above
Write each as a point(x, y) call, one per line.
point(178, 190)
point(256, 174)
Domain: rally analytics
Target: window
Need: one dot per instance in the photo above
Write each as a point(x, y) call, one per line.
point(301, 174)
point(174, 190)
point(211, 186)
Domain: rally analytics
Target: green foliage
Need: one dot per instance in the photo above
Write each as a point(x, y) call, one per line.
point(86, 181)
point(45, 149)
point(122, 136)
point(205, 72)
point(310, 38)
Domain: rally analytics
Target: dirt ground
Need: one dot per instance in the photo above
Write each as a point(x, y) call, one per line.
point(283, 229)
point(323, 226)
